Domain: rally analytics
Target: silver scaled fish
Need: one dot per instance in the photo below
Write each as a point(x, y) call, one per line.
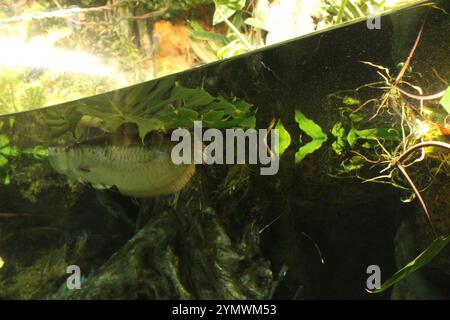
point(135, 170)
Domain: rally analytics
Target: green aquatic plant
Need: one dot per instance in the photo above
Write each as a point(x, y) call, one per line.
point(401, 135)
point(310, 128)
point(420, 261)
point(7, 152)
point(235, 41)
point(155, 106)
point(284, 138)
point(347, 10)
point(225, 9)
point(313, 130)
point(445, 101)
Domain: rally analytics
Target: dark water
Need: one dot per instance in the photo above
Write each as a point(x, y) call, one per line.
point(230, 232)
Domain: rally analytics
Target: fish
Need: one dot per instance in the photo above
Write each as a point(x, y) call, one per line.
point(136, 170)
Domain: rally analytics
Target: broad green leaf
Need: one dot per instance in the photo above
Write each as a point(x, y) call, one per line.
point(186, 117)
point(212, 116)
point(257, 23)
point(192, 97)
point(352, 164)
point(386, 134)
point(3, 161)
point(232, 49)
point(4, 140)
point(146, 126)
point(309, 127)
point(424, 258)
point(338, 132)
point(209, 36)
point(445, 101)
point(307, 149)
point(352, 138)
point(356, 117)
point(165, 105)
point(37, 152)
point(10, 151)
point(350, 101)
point(312, 130)
point(225, 9)
point(222, 12)
point(284, 139)
point(248, 122)
point(5, 178)
point(233, 4)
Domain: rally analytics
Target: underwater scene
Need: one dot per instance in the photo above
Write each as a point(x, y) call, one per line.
point(315, 167)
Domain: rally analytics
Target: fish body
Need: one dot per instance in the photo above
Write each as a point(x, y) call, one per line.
point(136, 170)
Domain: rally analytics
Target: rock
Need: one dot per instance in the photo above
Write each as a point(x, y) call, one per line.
point(178, 256)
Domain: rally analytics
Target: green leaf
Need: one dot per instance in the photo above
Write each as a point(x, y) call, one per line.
point(352, 164)
point(424, 258)
point(233, 4)
point(5, 178)
point(445, 101)
point(386, 134)
point(212, 117)
point(257, 23)
point(338, 132)
point(10, 151)
point(284, 139)
point(37, 152)
point(312, 130)
point(309, 127)
point(247, 122)
point(191, 97)
point(165, 105)
point(232, 49)
point(356, 117)
point(3, 161)
point(209, 36)
point(225, 9)
point(352, 138)
point(222, 12)
point(350, 101)
point(4, 140)
point(186, 117)
point(147, 125)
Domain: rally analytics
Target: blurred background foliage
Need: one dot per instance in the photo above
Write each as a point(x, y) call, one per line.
point(60, 50)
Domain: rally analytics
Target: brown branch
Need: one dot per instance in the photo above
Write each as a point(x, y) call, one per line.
point(408, 60)
point(420, 97)
point(419, 196)
point(402, 169)
point(421, 145)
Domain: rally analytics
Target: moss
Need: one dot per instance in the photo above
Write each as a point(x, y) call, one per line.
point(36, 181)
